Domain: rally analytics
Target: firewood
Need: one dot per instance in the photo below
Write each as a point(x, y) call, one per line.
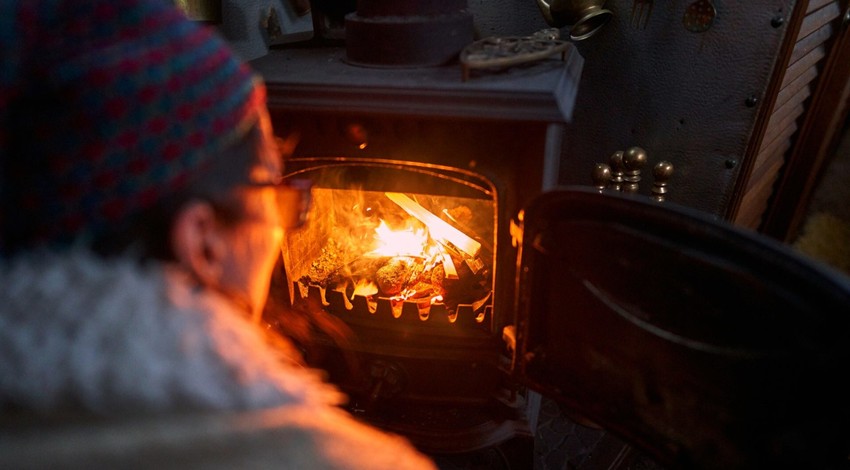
point(397, 273)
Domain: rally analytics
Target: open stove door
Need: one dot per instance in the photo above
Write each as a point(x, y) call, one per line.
point(704, 345)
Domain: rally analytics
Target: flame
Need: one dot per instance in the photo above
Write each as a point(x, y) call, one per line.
point(379, 245)
point(410, 241)
point(365, 288)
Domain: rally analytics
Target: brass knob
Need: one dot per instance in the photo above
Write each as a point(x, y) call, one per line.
point(661, 172)
point(634, 158)
point(601, 176)
point(615, 161)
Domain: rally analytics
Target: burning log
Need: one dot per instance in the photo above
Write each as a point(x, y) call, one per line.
point(394, 276)
point(402, 252)
point(401, 277)
point(439, 229)
point(448, 264)
point(329, 261)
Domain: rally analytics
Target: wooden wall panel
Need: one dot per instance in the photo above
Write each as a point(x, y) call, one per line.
point(797, 83)
point(819, 131)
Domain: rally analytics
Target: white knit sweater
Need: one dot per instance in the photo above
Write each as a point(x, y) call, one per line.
point(113, 336)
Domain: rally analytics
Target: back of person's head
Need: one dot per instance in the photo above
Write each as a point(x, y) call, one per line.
point(107, 109)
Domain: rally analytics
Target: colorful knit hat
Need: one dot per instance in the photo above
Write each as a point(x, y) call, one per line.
point(106, 106)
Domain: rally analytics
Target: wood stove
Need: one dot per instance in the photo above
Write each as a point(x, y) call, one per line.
point(392, 153)
point(609, 304)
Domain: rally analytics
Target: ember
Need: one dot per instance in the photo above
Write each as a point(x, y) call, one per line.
point(405, 248)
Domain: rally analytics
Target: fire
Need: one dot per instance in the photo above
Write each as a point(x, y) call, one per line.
point(409, 241)
point(365, 288)
point(392, 246)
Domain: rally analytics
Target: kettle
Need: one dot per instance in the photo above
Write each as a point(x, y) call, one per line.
point(583, 18)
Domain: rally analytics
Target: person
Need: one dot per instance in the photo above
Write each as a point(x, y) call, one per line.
point(141, 216)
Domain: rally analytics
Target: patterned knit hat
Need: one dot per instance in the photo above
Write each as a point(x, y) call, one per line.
point(106, 106)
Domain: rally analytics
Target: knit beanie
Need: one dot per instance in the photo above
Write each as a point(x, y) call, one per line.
point(107, 106)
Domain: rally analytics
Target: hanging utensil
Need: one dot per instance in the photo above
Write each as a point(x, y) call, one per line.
point(641, 9)
point(699, 16)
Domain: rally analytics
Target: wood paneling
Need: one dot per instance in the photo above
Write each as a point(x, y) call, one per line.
point(769, 157)
point(796, 85)
point(819, 132)
point(808, 61)
point(812, 41)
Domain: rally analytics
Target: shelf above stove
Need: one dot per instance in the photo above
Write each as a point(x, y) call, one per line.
point(320, 80)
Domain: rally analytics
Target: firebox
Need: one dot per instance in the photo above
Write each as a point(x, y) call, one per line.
point(417, 176)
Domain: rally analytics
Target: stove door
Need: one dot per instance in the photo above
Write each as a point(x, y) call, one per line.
point(702, 344)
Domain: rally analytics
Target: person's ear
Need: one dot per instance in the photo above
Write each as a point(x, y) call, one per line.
point(198, 243)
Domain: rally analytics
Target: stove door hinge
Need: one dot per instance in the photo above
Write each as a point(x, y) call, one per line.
point(509, 337)
point(516, 230)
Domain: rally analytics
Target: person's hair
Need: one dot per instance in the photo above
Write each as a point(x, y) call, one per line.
point(147, 233)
